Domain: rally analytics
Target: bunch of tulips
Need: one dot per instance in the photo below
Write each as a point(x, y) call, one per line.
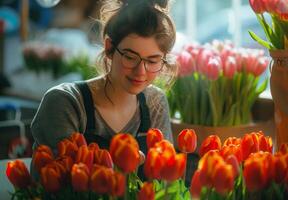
point(217, 84)
point(240, 168)
point(277, 31)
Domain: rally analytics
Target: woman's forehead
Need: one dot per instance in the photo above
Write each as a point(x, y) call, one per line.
point(142, 45)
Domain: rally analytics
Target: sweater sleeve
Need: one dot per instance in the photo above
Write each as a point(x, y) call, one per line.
point(58, 116)
point(159, 112)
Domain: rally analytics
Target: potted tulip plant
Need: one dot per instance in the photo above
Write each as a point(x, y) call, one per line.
point(277, 43)
point(217, 87)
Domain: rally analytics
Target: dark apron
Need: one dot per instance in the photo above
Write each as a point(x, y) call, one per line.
point(103, 143)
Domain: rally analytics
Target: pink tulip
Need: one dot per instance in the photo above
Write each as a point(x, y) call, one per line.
point(229, 67)
point(258, 6)
point(261, 66)
point(203, 58)
point(214, 67)
point(271, 5)
point(187, 64)
point(282, 7)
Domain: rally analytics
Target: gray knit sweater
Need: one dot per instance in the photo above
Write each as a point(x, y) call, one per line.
point(61, 112)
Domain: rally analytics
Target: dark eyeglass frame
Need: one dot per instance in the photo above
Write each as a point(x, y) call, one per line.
point(144, 59)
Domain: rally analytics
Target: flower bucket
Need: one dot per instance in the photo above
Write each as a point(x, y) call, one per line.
point(263, 121)
point(279, 92)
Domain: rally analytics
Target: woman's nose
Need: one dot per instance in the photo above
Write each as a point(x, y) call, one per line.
point(140, 68)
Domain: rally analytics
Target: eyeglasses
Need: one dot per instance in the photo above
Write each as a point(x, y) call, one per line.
point(131, 60)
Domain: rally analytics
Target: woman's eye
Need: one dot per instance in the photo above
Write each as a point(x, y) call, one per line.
point(129, 57)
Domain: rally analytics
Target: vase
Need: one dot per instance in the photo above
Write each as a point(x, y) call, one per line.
point(279, 92)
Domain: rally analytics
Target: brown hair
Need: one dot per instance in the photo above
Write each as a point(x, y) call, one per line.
point(146, 18)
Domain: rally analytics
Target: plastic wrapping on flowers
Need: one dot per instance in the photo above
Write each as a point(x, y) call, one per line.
point(238, 168)
point(217, 84)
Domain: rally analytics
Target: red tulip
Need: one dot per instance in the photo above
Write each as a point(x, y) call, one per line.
point(223, 178)
point(214, 66)
point(231, 149)
point(117, 184)
point(232, 140)
point(124, 151)
point(18, 174)
point(173, 167)
point(93, 146)
point(154, 135)
point(146, 192)
point(165, 146)
point(153, 164)
point(196, 185)
point(65, 161)
point(100, 180)
point(68, 148)
point(42, 156)
point(212, 142)
point(257, 5)
point(232, 160)
point(52, 177)
point(279, 168)
point(255, 175)
point(103, 157)
point(78, 139)
point(85, 156)
point(187, 141)
point(80, 177)
point(249, 144)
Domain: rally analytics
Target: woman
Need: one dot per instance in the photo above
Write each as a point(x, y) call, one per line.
point(137, 38)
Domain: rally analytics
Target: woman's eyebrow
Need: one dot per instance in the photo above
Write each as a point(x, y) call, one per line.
point(134, 52)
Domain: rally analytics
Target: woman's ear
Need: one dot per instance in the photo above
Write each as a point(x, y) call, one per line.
point(108, 47)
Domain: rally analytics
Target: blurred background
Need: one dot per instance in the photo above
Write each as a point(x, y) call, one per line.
point(47, 42)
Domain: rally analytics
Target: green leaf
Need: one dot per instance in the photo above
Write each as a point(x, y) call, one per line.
point(260, 41)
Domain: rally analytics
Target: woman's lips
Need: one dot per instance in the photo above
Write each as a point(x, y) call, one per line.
point(136, 81)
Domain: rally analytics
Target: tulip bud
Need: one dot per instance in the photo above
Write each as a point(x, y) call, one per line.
point(18, 174)
point(78, 139)
point(257, 6)
point(80, 177)
point(196, 185)
point(42, 156)
point(212, 142)
point(187, 141)
point(100, 180)
point(103, 157)
point(154, 135)
point(85, 156)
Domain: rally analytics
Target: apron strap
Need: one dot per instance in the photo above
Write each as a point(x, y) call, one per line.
point(88, 104)
point(144, 113)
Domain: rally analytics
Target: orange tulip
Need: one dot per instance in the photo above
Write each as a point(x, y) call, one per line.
point(232, 140)
point(146, 192)
point(154, 135)
point(249, 144)
point(52, 176)
point(212, 142)
point(196, 185)
point(117, 184)
point(42, 156)
point(65, 161)
point(284, 148)
point(165, 146)
point(103, 157)
point(153, 164)
point(280, 168)
point(18, 174)
point(85, 156)
point(68, 148)
point(207, 166)
point(223, 178)
point(174, 167)
point(255, 175)
point(80, 177)
point(187, 141)
point(78, 139)
point(265, 143)
point(100, 179)
point(232, 160)
point(124, 151)
point(93, 146)
point(231, 149)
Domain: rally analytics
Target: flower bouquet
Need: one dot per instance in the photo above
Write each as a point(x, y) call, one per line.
point(241, 168)
point(217, 84)
point(276, 42)
point(44, 57)
point(277, 32)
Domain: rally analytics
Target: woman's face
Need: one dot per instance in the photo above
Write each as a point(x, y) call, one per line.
point(136, 79)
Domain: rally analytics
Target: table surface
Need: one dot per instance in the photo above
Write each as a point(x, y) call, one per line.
point(5, 185)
